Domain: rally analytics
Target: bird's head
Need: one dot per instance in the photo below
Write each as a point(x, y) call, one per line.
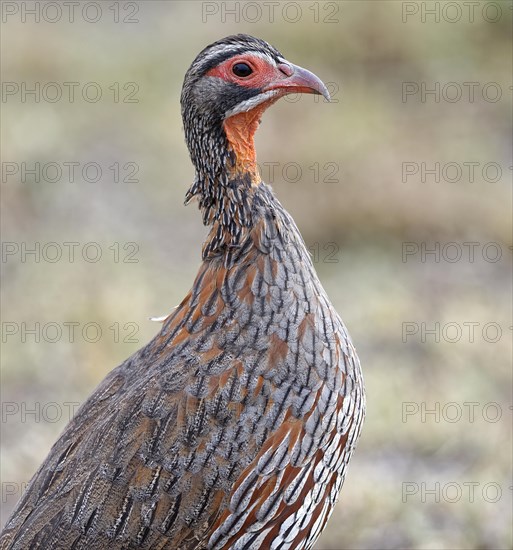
point(225, 91)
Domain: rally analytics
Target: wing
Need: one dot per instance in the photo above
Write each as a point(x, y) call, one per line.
point(135, 466)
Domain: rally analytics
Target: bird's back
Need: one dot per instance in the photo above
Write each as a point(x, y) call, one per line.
point(231, 429)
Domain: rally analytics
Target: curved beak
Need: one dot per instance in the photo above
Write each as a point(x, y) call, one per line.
point(298, 80)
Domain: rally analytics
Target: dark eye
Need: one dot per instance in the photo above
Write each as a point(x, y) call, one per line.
point(242, 69)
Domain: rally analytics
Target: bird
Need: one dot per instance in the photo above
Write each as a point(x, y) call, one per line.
point(233, 427)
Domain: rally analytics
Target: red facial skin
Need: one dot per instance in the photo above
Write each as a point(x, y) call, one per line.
point(285, 78)
point(264, 73)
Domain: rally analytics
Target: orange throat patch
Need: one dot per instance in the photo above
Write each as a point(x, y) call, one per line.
point(240, 131)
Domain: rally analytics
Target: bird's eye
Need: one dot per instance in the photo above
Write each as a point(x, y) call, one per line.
point(242, 69)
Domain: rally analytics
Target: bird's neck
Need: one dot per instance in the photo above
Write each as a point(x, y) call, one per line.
point(240, 134)
point(227, 178)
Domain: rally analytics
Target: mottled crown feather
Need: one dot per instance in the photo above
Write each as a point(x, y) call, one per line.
point(217, 52)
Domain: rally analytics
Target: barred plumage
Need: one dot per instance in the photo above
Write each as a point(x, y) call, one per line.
point(233, 428)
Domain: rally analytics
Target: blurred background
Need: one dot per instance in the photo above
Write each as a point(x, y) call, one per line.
point(401, 187)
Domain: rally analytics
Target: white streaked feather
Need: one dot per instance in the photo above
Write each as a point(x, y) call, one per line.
point(249, 104)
